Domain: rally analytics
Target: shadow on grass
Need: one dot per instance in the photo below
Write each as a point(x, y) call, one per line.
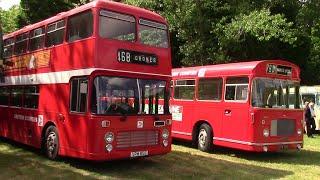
point(303, 157)
point(17, 162)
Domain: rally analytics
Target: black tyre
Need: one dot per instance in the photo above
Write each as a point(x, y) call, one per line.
point(51, 143)
point(205, 138)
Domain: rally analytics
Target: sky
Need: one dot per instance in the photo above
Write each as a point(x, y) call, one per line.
point(6, 4)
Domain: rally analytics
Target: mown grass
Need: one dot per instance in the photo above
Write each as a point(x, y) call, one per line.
point(21, 162)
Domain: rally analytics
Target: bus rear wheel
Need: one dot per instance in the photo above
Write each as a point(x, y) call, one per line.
point(205, 138)
point(51, 143)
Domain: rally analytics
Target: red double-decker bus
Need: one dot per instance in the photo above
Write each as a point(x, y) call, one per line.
point(252, 106)
point(87, 83)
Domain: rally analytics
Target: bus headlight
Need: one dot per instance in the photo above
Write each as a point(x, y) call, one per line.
point(109, 137)
point(165, 134)
point(266, 132)
point(299, 132)
point(109, 147)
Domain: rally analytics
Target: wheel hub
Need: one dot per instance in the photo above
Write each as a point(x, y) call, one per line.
point(202, 137)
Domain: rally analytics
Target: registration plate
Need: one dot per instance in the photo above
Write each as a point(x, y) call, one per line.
point(139, 154)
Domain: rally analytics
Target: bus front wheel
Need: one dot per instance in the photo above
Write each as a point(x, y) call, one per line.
point(205, 138)
point(51, 143)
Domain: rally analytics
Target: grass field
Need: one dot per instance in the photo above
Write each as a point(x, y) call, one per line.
point(21, 162)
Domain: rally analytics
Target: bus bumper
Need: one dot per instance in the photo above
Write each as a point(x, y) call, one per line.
point(277, 147)
point(118, 154)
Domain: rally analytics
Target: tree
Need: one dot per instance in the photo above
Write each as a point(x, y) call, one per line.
point(34, 10)
point(9, 19)
point(258, 35)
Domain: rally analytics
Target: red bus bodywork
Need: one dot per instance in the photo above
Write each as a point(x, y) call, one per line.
point(238, 124)
point(82, 135)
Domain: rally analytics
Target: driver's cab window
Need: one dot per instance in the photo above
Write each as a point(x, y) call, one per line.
point(78, 95)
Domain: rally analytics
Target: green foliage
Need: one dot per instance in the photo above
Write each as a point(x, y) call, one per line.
point(261, 25)
point(9, 19)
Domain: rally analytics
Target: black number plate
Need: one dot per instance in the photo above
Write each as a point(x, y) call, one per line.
point(134, 57)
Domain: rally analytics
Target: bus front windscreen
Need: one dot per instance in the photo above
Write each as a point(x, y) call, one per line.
point(128, 96)
point(275, 93)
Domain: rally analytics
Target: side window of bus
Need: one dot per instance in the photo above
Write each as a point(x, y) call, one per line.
point(237, 89)
point(21, 44)
point(118, 26)
point(16, 96)
point(210, 89)
point(78, 95)
point(184, 89)
point(8, 47)
point(4, 96)
point(36, 39)
point(31, 98)
point(80, 26)
point(55, 33)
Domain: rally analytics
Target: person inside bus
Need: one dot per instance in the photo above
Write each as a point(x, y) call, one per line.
point(308, 119)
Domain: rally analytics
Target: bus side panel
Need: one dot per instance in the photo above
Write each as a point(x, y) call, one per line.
point(16, 125)
point(212, 112)
point(235, 123)
point(78, 55)
point(4, 119)
point(182, 119)
point(54, 103)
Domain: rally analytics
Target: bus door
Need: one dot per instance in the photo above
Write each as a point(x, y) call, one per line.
point(75, 124)
point(236, 108)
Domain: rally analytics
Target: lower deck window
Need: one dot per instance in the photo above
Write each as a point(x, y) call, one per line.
point(4, 96)
point(184, 89)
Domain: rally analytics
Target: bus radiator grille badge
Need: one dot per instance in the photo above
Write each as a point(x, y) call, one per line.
point(139, 124)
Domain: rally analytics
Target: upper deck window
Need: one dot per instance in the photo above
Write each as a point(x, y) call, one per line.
point(36, 39)
point(80, 26)
point(8, 47)
point(184, 89)
point(21, 44)
point(117, 26)
point(153, 33)
point(237, 89)
point(55, 33)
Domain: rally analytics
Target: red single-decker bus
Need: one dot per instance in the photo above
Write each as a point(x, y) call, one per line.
point(252, 106)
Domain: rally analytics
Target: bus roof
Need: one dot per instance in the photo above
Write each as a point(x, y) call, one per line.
point(257, 68)
point(111, 5)
point(310, 89)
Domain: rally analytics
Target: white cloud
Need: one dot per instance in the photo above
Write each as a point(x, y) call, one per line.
point(6, 4)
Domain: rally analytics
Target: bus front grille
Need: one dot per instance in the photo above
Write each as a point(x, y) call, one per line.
point(282, 127)
point(137, 138)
